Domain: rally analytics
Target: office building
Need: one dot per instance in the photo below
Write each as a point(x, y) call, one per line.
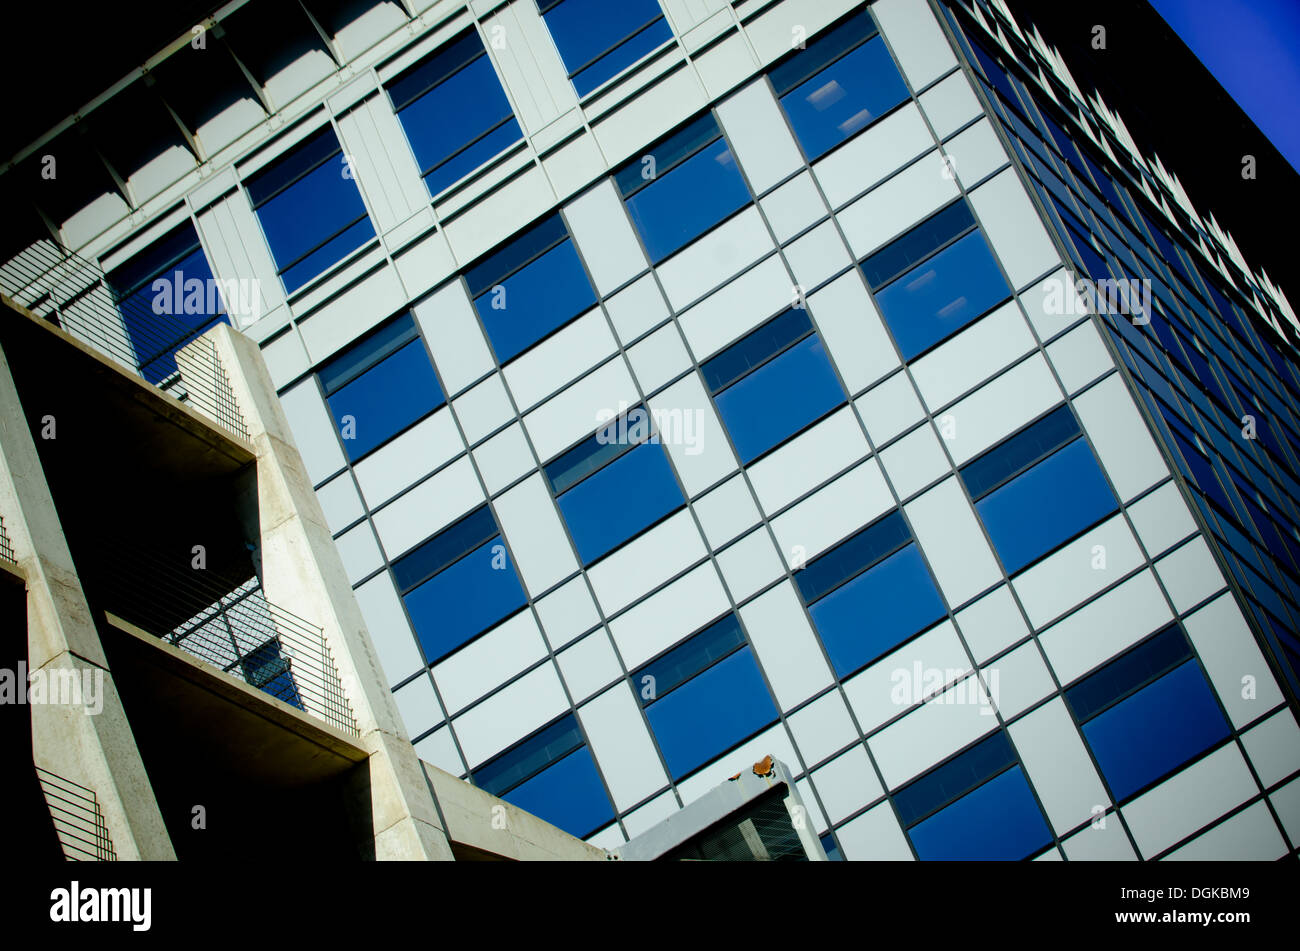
point(688, 381)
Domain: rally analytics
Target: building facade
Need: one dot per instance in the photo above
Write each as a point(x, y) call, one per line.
point(689, 381)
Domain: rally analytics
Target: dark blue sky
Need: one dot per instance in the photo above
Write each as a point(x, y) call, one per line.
point(1253, 49)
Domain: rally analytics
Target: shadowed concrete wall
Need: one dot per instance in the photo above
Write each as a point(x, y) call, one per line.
point(302, 570)
point(98, 751)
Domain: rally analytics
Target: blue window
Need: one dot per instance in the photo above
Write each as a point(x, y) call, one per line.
point(838, 85)
point(706, 696)
point(682, 187)
point(869, 594)
point(311, 211)
point(1147, 713)
point(458, 584)
point(454, 111)
point(977, 805)
point(901, 254)
point(167, 298)
point(598, 40)
point(1038, 489)
point(772, 383)
point(614, 485)
point(380, 386)
point(552, 775)
point(943, 294)
point(833, 853)
point(530, 288)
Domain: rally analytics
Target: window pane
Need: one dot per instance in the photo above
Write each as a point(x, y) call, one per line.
point(877, 611)
point(1153, 656)
point(844, 98)
point(688, 200)
point(621, 57)
point(738, 359)
point(689, 658)
point(936, 299)
point(569, 795)
point(780, 398)
point(160, 320)
point(1020, 450)
point(535, 300)
point(852, 555)
point(901, 253)
point(528, 757)
point(352, 362)
point(1156, 730)
point(463, 601)
point(583, 30)
point(444, 548)
point(999, 821)
point(318, 219)
point(821, 51)
point(954, 778)
point(620, 501)
point(385, 399)
point(710, 714)
point(1052, 502)
point(459, 110)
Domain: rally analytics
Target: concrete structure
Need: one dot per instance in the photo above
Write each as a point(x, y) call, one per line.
point(761, 378)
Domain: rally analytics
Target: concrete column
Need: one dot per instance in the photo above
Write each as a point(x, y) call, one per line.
point(95, 749)
point(303, 573)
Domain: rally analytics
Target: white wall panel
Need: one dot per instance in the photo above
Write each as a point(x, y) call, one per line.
point(786, 645)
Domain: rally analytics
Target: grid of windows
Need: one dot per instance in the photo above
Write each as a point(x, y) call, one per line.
point(1225, 396)
point(454, 111)
point(708, 694)
point(310, 208)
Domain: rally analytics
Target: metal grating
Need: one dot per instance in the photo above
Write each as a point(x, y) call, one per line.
point(6, 546)
point(78, 820)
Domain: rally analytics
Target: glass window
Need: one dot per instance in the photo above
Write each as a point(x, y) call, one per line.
point(552, 775)
point(717, 697)
point(380, 386)
point(530, 288)
point(598, 39)
point(458, 584)
point(977, 805)
point(614, 485)
point(869, 594)
point(454, 111)
point(838, 85)
point(999, 821)
point(772, 383)
point(167, 297)
point(310, 209)
point(918, 244)
point(942, 295)
point(681, 188)
point(1031, 511)
point(1147, 713)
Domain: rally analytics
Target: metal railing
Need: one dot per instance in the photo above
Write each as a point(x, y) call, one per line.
point(78, 820)
point(6, 546)
point(74, 294)
point(235, 629)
